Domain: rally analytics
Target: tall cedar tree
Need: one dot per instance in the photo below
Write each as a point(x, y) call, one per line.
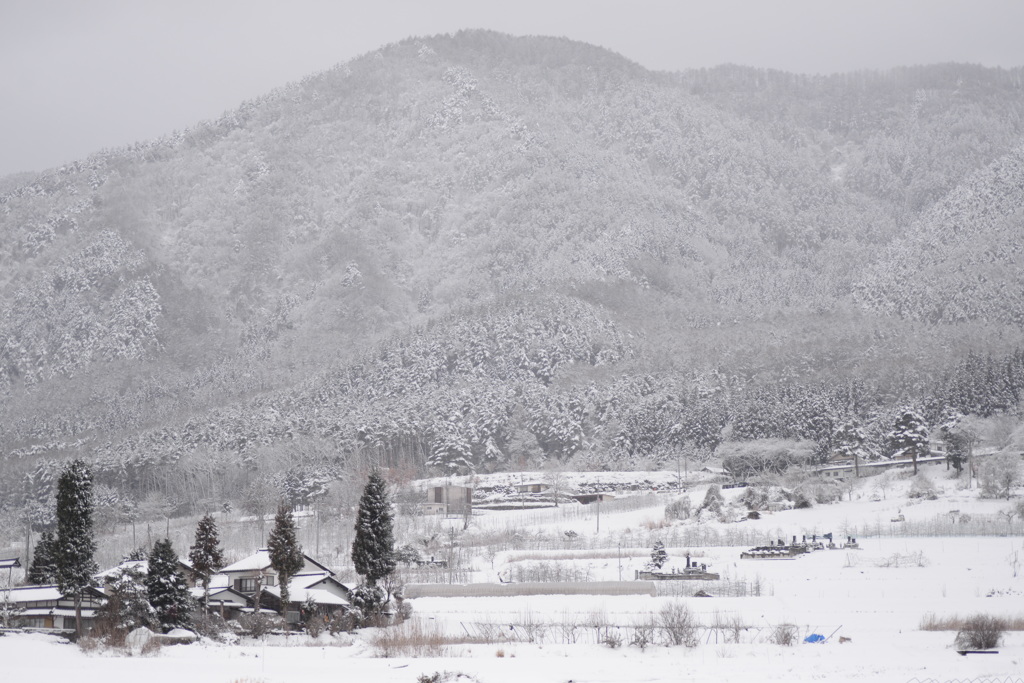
point(206, 556)
point(849, 443)
point(43, 569)
point(166, 587)
point(285, 553)
point(373, 550)
point(957, 448)
point(75, 546)
point(910, 436)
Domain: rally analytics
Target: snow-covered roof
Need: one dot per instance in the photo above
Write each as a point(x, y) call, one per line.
point(263, 610)
point(836, 466)
point(320, 597)
point(10, 563)
point(308, 580)
point(87, 612)
point(261, 560)
point(220, 581)
point(224, 595)
point(894, 462)
point(43, 593)
point(141, 566)
point(311, 582)
point(36, 594)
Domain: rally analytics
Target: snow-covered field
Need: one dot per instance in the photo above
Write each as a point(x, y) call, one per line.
point(876, 597)
point(875, 655)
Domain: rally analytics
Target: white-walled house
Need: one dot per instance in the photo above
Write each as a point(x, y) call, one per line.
point(224, 600)
point(313, 582)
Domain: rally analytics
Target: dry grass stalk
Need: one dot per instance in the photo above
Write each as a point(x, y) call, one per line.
point(417, 638)
point(955, 622)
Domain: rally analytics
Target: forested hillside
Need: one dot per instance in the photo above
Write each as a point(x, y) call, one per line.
point(473, 252)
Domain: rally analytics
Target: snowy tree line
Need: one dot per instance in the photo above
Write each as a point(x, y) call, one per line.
point(631, 423)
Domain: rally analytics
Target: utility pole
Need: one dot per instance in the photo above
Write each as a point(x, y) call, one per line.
point(28, 543)
point(5, 603)
point(679, 478)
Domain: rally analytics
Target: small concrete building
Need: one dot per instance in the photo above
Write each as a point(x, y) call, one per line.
point(448, 500)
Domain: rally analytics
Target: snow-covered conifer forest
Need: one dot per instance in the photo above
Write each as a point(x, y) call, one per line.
point(590, 292)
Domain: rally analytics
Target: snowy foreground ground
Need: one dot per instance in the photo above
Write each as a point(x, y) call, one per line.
point(876, 597)
point(874, 656)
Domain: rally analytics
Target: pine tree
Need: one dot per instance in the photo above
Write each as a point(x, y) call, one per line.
point(166, 588)
point(128, 601)
point(285, 553)
point(373, 550)
point(43, 569)
point(206, 556)
point(75, 546)
point(713, 500)
point(139, 554)
point(659, 556)
point(450, 450)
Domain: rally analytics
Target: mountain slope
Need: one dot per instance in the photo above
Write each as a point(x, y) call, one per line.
point(475, 249)
point(973, 232)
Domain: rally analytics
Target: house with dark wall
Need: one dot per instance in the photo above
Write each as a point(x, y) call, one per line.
point(45, 607)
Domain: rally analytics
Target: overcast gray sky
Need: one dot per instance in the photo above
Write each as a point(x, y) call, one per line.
point(77, 76)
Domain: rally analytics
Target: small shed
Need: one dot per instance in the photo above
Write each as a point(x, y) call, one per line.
point(588, 498)
point(10, 564)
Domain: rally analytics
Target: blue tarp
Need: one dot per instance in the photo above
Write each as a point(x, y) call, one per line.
point(814, 638)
